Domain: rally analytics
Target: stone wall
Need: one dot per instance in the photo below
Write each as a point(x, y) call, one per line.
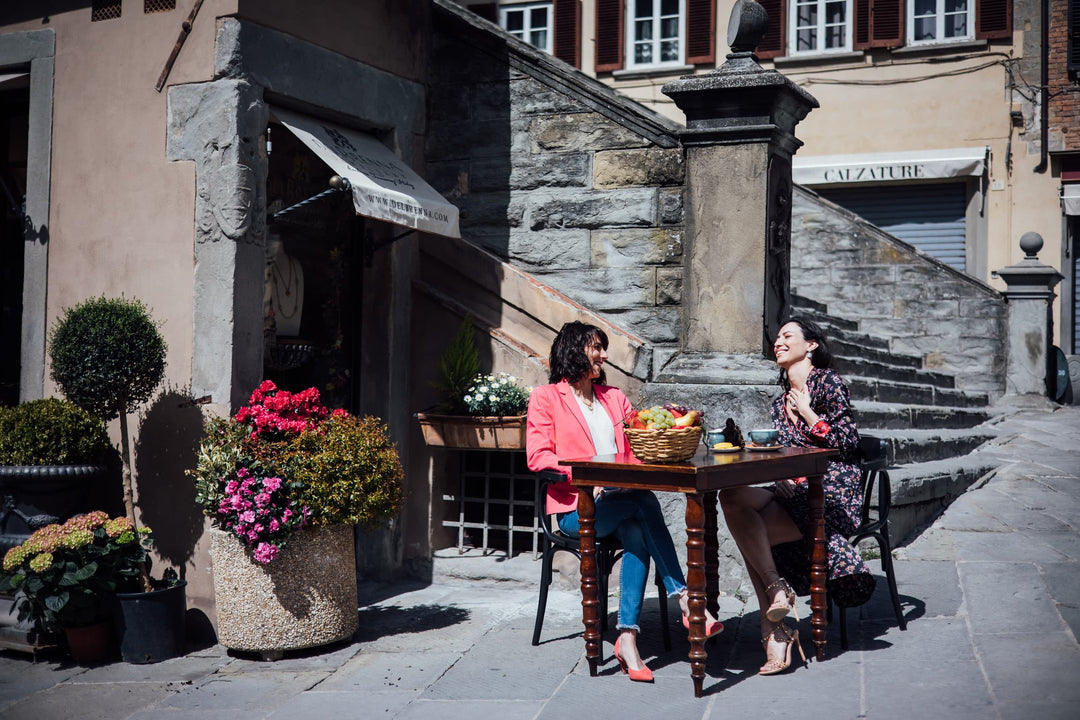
point(923, 307)
point(559, 176)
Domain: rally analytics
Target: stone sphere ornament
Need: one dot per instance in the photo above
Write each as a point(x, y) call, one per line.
point(747, 25)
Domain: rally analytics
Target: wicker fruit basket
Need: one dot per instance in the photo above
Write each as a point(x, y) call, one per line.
point(671, 445)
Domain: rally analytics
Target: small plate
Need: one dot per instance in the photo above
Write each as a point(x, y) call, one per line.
point(726, 450)
point(763, 448)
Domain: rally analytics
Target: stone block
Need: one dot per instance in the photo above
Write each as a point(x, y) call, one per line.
point(526, 172)
point(655, 324)
point(671, 206)
point(581, 132)
point(491, 209)
point(633, 247)
point(528, 96)
point(599, 209)
point(668, 286)
point(491, 100)
point(550, 250)
point(638, 167)
point(990, 307)
point(606, 289)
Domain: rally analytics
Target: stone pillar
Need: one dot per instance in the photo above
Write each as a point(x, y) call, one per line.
point(739, 140)
point(1030, 297)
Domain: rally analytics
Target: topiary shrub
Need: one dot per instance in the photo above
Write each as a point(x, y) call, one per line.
point(107, 355)
point(51, 432)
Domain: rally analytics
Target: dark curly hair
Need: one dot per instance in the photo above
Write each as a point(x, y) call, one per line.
point(568, 360)
point(821, 356)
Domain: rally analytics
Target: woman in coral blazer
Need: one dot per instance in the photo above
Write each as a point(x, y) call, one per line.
point(578, 416)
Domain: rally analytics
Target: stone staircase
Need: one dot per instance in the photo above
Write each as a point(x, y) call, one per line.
point(929, 425)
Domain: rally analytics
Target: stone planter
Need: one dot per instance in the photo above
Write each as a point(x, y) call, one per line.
point(473, 433)
point(305, 597)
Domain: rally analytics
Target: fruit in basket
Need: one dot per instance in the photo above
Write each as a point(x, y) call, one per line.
point(662, 417)
point(687, 420)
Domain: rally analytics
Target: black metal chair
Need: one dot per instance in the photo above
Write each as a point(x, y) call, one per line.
point(875, 476)
point(608, 552)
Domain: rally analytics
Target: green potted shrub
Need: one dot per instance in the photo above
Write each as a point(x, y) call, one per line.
point(51, 453)
point(108, 356)
point(284, 482)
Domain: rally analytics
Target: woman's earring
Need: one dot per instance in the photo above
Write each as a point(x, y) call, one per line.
point(809, 354)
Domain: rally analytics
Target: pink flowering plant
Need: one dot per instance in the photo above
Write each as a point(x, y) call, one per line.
point(285, 461)
point(63, 574)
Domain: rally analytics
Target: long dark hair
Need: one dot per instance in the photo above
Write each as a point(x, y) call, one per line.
point(568, 360)
point(821, 357)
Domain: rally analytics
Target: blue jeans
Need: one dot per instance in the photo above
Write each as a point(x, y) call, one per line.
point(635, 518)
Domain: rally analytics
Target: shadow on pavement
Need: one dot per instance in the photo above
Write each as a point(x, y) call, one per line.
point(376, 622)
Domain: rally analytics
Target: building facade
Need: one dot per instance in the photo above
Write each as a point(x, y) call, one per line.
point(935, 121)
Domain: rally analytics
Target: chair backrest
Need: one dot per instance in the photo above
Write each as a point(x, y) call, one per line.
point(546, 478)
point(873, 452)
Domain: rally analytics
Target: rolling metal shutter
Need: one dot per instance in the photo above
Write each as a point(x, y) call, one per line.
point(930, 217)
point(1076, 294)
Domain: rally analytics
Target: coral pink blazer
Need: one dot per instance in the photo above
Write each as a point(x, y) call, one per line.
point(555, 429)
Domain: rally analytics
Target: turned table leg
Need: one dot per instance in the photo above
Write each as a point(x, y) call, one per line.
point(695, 583)
point(818, 563)
point(590, 603)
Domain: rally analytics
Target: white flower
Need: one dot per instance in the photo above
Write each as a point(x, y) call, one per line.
point(468, 398)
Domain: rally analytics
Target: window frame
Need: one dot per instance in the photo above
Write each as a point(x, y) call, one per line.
point(793, 29)
point(939, 15)
point(525, 8)
point(630, 41)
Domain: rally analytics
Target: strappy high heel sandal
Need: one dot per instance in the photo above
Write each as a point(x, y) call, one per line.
point(781, 634)
point(781, 606)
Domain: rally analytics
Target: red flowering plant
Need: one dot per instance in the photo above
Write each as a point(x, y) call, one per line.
point(276, 467)
point(62, 574)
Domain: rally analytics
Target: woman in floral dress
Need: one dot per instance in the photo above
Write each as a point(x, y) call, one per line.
point(770, 525)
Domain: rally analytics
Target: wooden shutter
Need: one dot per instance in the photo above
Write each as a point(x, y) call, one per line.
point(700, 32)
point(878, 23)
point(774, 44)
point(609, 35)
point(488, 11)
point(1073, 61)
point(993, 19)
point(567, 24)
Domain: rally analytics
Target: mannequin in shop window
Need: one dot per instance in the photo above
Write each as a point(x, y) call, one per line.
point(284, 298)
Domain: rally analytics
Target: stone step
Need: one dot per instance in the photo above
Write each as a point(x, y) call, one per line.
point(819, 313)
point(888, 391)
point(922, 491)
point(884, 371)
point(895, 416)
point(857, 351)
point(907, 446)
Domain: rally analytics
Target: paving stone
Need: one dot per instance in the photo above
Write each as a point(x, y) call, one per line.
point(1006, 547)
point(1040, 710)
point(999, 595)
point(1031, 666)
point(259, 690)
point(385, 671)
point(87, 702)
point(341, 704)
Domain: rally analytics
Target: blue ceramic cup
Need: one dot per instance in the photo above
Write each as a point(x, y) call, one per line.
point(764, 436)
point(716, 435)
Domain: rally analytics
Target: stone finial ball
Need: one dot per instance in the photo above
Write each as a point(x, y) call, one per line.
point(746, 26)
point(1031, 243)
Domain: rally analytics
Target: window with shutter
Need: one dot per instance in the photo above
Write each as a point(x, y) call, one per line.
point(700, 32)
point(819, 27)
point(775, 40)
point(878, 23)
point(993, 19)
point(531, 22)
point(656, 33)
point(1073, 49)
point(609, 35)
point(937, 21)
point(568, 31)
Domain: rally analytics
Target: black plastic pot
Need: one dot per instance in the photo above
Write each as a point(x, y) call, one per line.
point(150, 625)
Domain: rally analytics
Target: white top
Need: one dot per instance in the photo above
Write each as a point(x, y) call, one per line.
point(600, 426)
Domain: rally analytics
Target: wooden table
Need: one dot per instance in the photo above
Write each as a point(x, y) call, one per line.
point(699, 478)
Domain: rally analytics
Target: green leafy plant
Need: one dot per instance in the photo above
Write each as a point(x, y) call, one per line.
point(457, 368)
point(51, 432)
point(107, 357)
point(284, 461)
point(63, 573)
point(497, 394)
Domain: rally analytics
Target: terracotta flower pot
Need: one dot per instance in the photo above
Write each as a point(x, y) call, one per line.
point(90, 643)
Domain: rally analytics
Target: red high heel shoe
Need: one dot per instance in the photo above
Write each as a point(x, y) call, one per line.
point(642, 675)
point(711, 628)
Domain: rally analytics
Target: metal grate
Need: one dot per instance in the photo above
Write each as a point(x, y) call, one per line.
point(496, 502)
point(153, 6)
point(104, 10)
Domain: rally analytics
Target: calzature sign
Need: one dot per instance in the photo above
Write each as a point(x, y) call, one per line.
point(879, 172)
point(889, 167)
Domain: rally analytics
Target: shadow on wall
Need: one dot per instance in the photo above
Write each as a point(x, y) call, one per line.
point(168, 444)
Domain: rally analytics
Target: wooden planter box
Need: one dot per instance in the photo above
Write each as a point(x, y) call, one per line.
point(473, 433)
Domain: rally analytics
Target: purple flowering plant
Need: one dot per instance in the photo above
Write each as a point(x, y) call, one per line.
point(261, 511)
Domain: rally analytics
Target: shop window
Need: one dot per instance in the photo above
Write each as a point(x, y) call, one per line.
point(104, 10)
point(156, 6)
point(932, 21)
point(530, 22)
point(819, 26)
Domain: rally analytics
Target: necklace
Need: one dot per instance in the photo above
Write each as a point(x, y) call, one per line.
point(289, 308)
point(587, 402)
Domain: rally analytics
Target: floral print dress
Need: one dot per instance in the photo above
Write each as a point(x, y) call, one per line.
point(849, 580)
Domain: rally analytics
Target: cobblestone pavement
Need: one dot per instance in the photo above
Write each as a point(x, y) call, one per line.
point(991, 592)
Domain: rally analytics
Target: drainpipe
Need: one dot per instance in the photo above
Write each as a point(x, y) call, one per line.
point(1044, 89)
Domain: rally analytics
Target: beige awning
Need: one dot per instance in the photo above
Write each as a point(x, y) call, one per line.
point(889, 167)
point(383, 186)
